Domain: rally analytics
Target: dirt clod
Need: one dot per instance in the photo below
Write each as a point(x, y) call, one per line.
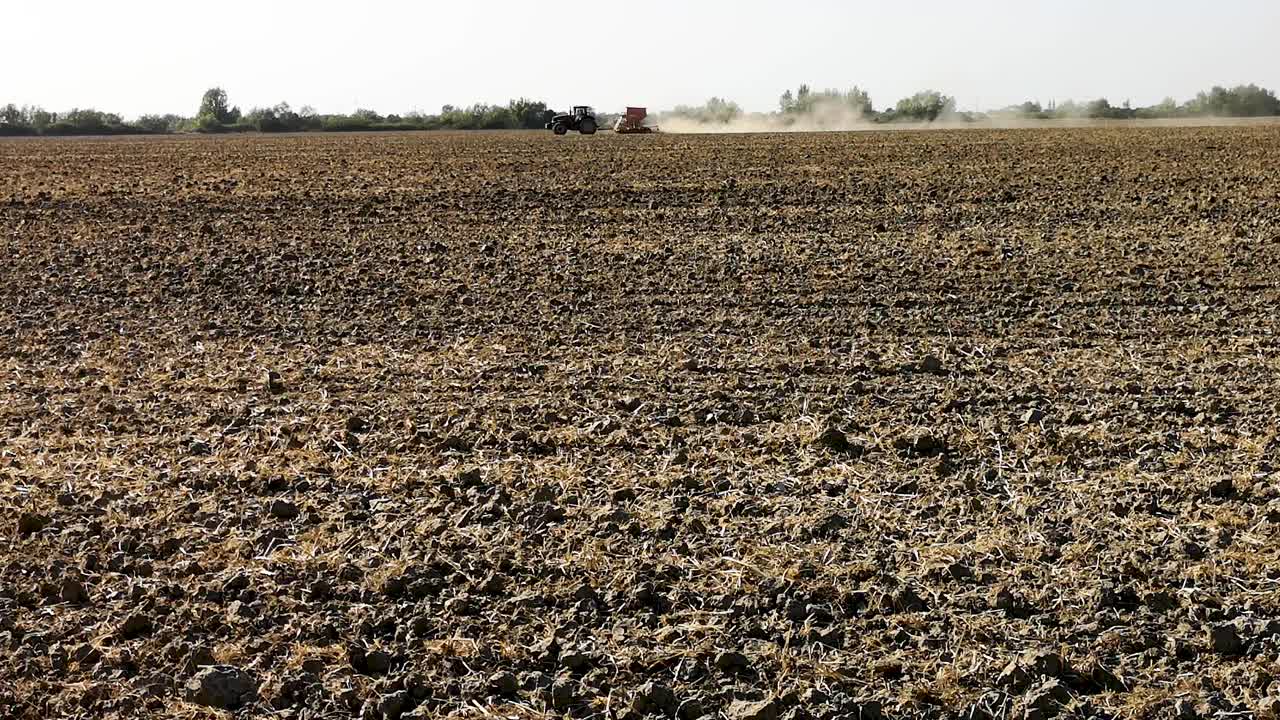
point(73, 591)
point(932, 365)
point(392, 705)
point(920, 445)
point(575, 661)
point(282, 509)
point(1044, 663)
point(1225, 639)
point(1045, 701)
point(654, 697)
point(273, 382)
point(753, 710)
point(505, 684)
point(1003, 598)
point(833, 440)
point(134, 625)
point(30, 522)
point(222, 686)
point(731, 661)
point(1185, 709)
point(563, 694)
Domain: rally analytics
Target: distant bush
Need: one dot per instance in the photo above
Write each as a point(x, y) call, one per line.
point(478, 117)
point(716, 111)
point(1167, 108)
point(521, 113)
point(926, 106)
point(7, 130)
point(280, 118)
point(11, 115)
point(214, 104)
point(37, 121)
point(208, 123)
point(807, 102)
point(528, 114)
point(159, 124)
point(1030, 110)
point(1099, 109)
point(1240, 101)
point(344, 123)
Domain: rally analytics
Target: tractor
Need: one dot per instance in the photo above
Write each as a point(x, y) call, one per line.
point(582, 119)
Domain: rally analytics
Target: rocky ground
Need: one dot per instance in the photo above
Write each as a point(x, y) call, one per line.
point(975, 424)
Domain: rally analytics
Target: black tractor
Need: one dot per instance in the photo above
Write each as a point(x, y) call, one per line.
point(582, 119)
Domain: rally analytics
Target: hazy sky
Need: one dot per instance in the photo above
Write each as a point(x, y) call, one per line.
point(145, 56)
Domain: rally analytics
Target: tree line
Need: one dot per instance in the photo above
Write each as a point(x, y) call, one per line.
point(931, 105)
point(1239, 101)
point(215, 113)
point(853, 104)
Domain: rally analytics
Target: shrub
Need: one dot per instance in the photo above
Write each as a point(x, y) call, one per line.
point(344, 123)
point(153, 124)
point(9, 130)
point(1240, 101)
point(926, 106)
point(806, 102)
point(714, 111)
point(208, 123)
point(214, 104)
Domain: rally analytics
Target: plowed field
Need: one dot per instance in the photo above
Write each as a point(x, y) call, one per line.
point(914, 425)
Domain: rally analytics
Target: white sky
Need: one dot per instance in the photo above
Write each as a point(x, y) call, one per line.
point(146, 56)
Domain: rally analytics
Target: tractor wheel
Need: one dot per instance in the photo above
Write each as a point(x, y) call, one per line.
point(560, 129)
point(587, 126)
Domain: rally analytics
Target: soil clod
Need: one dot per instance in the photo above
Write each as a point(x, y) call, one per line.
point(222, 686)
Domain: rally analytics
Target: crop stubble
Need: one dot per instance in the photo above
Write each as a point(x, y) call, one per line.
point(922, 424)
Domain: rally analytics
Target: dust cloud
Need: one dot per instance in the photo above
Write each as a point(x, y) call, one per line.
point(832, 116)
point(840, 117)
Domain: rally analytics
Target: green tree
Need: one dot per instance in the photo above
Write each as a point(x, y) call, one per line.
point(1066, 109)
point(721, 110)
point(90, 120)
point(527, 113)
point(716, 110)
point(492, 117)
point(1240, 101)
point(41, 118)
point(207, 123)
point(1099, 108)
point(152, 124)
point(309, 119)
point(214, 104)
point(928, 105)
point(805, 101)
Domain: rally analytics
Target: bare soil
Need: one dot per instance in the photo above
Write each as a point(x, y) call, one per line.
point(915, 425)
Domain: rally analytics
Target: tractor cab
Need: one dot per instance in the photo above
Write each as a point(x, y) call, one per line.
point(582, 111)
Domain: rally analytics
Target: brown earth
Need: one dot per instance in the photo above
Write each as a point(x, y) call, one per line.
point(922, 425)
